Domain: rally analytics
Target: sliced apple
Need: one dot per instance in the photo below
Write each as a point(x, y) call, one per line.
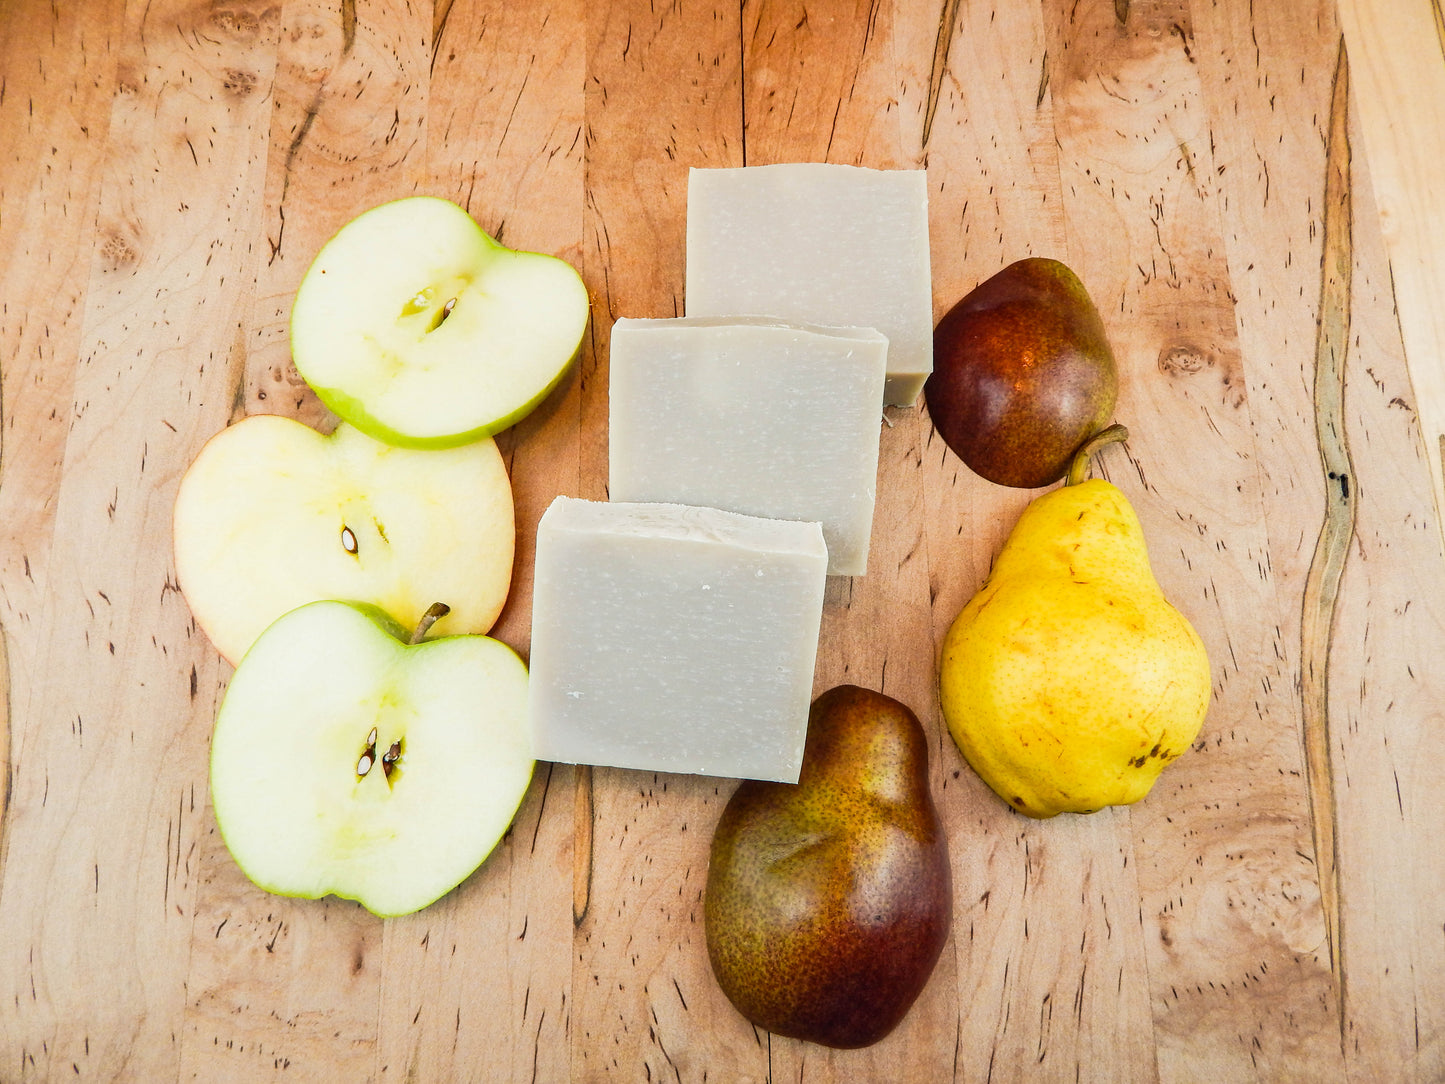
point(347, 762)
point(419, 329)
point(272, 515)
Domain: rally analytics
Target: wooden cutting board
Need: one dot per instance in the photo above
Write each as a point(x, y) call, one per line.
point(1249, 191)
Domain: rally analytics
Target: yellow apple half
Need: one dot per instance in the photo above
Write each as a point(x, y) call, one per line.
point(419, 329)
point(272, 515)
point(345, 761)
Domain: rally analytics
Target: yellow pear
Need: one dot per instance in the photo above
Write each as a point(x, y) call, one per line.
point(1069, 681)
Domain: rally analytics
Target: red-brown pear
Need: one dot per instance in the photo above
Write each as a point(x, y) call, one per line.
point(1023, 374)
point(829, 901)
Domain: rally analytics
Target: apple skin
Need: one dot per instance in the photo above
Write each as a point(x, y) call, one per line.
point(347, 406)
point(829, 901)
point(442, 375)
point(1023, 374)
point(261, 516)
point(289, 802)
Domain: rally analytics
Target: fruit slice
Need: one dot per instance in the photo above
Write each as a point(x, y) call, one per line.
point(419, 329)
point(272, 514)
point(347, 762)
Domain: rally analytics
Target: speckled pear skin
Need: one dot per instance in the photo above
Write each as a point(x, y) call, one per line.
point(829, 901)
point(1069, 681)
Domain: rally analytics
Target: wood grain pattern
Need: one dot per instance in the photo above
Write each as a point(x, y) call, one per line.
point(1276, 170)
point(1139, 179)
point(1400, 58)
point(1262, 235)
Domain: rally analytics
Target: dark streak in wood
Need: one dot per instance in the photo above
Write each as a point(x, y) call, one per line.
point(348, 27)
point(742, 84)
point(582, 823)
point(348, 41)
point(440, 14)
point(537, 1043)
point(947, 18)
point(291, 151)
point(1332, 547)
point(542, 807)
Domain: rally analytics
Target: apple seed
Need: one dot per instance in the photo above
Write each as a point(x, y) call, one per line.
point(368, 758)
point(390, 757)
point(348, 540)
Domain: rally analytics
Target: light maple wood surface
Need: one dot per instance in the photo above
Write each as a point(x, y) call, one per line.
point(1251, 193)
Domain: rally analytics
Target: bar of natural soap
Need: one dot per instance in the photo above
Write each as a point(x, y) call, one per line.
point(752, 415)
point(674, 638)
point(818, 243)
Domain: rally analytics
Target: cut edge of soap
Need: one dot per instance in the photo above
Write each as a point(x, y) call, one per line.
point(683, 522)
point(764, 321)
point(836, 168)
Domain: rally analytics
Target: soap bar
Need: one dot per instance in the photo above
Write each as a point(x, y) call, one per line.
point(751, 415)
point(674, 638)
point(822, 244)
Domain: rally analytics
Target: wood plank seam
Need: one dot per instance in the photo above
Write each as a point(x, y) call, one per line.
point(4, 698)
point(1327, 565)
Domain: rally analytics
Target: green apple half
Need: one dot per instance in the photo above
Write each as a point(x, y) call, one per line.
point(347, 762)
point(272, 515)
point(419, 329)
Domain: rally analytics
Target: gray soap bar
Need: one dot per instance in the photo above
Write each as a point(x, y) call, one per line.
point(674, 638)
point(751, 415)
point(818, 243)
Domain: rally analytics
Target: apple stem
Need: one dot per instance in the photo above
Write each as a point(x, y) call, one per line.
point(434, 613)
point(1079, 468)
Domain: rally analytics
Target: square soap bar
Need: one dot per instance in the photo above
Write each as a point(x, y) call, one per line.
point(821, 244)
point(674, 638)
point(751, 415)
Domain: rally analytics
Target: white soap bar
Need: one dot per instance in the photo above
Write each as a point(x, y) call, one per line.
point(674, 638)
point(751, 415)
point(821, 244)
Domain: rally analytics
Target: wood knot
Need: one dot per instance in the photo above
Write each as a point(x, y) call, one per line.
point(118, 251)
point(1184, 360)
point(128, 78)
point(317, 46)
point(242, 21)
point(239, 83)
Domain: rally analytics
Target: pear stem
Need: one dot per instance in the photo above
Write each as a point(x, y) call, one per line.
point(1079, 468)
point(434, 613)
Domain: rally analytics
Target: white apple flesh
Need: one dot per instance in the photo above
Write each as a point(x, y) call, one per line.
point(346, 762)
point(272, 515)
point(416, 327)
